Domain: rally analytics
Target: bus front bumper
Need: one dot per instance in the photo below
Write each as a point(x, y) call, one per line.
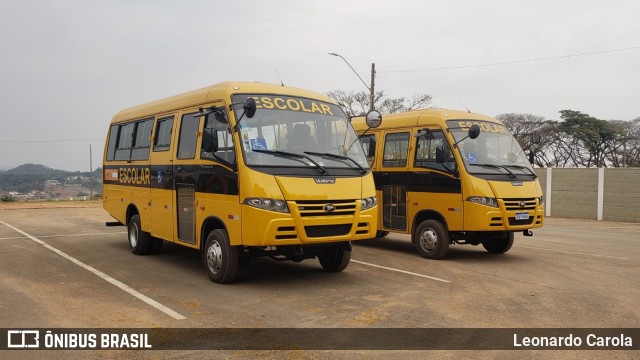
point(268, 228)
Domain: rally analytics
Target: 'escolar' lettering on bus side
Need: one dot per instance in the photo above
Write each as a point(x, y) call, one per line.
point(135, 176)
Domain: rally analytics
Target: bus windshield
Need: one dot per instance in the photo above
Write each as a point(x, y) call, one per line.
point(494, 152)
point(298, 132)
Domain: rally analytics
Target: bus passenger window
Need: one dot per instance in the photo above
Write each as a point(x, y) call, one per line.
point(123, 148)
point(396, 148)
point(162, 139)
point(140, 149)
point(188, 136)
point(113, 137)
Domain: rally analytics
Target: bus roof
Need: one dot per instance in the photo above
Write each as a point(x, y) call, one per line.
point(420, 117)
point(211, 93)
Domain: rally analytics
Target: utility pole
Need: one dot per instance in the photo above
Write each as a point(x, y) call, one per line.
point(91, 172)
point(372, 93)
point(371, 88)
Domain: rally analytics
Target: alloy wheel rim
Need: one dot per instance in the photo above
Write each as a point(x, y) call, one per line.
point(214, 257)
point(429, 240)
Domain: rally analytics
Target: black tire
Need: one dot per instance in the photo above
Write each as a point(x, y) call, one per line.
point(220, 258)
point(381, 234)
point(335, 258)
point(139, 241)
point(432, 239)
point(499, 244)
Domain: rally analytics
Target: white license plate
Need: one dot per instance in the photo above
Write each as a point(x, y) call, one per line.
point(522, 216)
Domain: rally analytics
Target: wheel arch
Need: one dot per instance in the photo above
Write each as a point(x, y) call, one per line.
point(131, 210)
point(427, 214)
point(209, 224)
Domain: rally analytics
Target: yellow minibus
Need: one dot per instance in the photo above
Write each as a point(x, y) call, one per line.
point(240, 169)
point(451, 177)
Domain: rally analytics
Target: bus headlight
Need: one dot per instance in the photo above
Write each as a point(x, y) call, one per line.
point(540, 200)
point(483, 200)
point(368, 203)
point(268, 204)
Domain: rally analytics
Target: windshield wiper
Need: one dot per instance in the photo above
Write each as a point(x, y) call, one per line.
point(524, 167)
point(337, 157)
point(503, 167)
point(321, 168)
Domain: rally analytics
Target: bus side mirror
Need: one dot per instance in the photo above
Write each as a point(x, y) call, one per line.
point(249, 107)
point(210, 140)
point(440, 154)
point(373, 119)
point(474, 131)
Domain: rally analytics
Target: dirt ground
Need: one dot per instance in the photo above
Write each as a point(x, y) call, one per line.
point(50, 204)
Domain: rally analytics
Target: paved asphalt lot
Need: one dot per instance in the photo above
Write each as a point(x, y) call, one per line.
point(58, 268)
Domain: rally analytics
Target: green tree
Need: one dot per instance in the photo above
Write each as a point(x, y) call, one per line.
point(591, 139)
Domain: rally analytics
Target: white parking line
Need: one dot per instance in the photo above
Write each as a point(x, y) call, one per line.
point(401, 271)
point(102, 275)
point(50, 236)
point(572, 252)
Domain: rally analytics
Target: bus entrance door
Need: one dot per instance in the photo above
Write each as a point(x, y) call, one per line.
point(394, 202)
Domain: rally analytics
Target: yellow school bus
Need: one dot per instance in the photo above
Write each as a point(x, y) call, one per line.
point(451, 177)
point(238, 170)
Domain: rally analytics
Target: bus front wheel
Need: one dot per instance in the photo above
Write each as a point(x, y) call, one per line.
point(221, 259)
point(499, 244)
point(432, 239)
point(335, 258)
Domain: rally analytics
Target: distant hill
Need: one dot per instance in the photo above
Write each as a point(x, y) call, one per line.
point(34, 169)
point(27, 177)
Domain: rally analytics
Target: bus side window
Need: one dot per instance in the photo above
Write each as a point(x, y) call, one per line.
point(113, 138)
point(426, 151)
point(125, 139)
point(142, 133)
point(396, 148)
point(369, 146)
point(162, 138)
point(188, 136)
point(226, 151)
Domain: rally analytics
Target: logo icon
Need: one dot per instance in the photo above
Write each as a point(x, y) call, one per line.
point(325, 180)
point(523, 204)
point(23, 339)
point(516, 183)
point(329, 207)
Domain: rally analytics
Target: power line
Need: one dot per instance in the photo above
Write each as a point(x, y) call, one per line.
point(512, 62)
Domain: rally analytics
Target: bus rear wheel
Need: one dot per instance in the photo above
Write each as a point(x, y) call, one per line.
point(139, 241)
point(432, 239)
point(335, 258)
point(499, 244)
point(221, 259)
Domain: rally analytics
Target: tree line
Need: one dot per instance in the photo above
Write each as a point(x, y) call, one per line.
point(575, 140)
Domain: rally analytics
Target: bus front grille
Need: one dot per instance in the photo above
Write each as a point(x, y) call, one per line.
point(520, 204)
point(326, 207)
